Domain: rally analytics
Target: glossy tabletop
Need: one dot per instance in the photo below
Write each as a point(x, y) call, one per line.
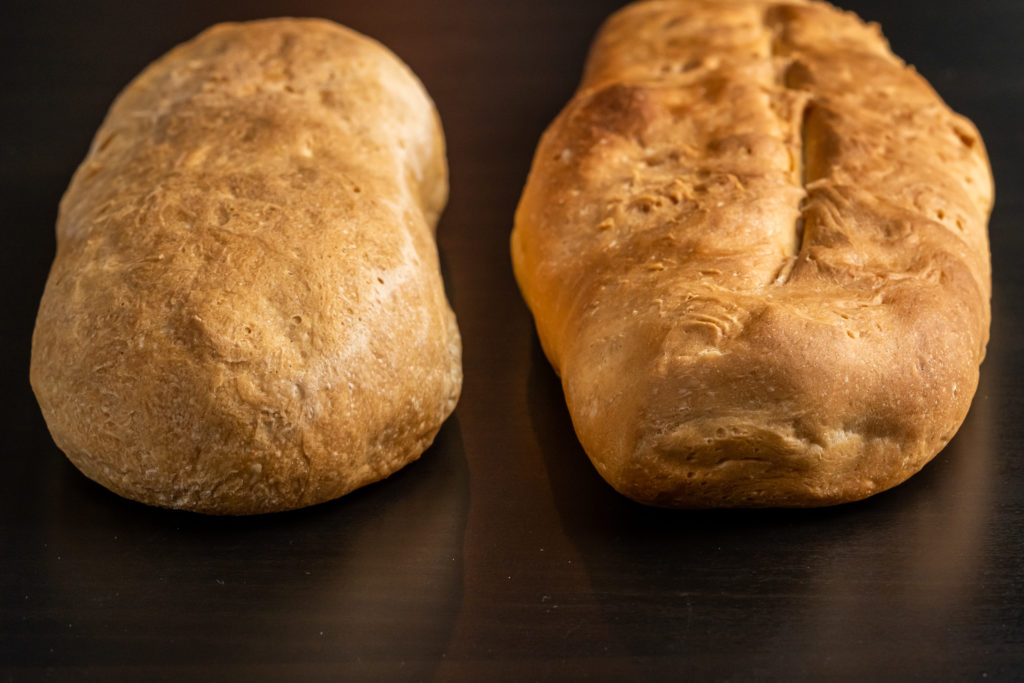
point(500, 555)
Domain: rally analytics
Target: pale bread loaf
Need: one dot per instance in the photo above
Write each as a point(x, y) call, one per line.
point(246, 312)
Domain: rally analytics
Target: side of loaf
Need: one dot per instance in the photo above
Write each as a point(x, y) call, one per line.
point(755, 247)
point(246, 313)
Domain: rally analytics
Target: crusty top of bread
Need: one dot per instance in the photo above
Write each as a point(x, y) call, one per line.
point(246, 312)
point(755, 247)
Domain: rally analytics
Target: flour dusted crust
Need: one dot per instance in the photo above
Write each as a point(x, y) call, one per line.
point(755, 247)
point(246, 312)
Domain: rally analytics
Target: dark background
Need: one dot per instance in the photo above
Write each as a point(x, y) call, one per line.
point(500, 555)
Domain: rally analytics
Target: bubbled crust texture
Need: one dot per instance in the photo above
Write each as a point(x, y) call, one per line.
point(755, 247)
point(246, 313)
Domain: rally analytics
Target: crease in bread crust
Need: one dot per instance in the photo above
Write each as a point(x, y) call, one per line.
point(778, 57)
point(246, 312)
point(755, 247)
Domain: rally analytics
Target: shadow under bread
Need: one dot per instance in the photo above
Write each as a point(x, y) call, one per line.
point(708, 584)
point(371, 581)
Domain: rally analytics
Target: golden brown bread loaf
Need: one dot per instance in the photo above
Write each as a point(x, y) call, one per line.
point(246, 312)
point(755, 247)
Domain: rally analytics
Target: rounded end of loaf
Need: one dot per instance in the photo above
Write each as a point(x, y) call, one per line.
point(204, 436)
point(788, 411)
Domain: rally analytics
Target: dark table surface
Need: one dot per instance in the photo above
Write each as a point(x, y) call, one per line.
point(500, 554)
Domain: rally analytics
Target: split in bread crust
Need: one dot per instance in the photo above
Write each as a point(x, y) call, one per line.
point(246, 312)
point(755, 247)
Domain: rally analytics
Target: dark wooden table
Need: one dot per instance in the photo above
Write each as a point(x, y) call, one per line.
point(500, 555)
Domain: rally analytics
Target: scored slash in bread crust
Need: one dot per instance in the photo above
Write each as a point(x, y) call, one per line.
point(246, 312)
point(755, 247)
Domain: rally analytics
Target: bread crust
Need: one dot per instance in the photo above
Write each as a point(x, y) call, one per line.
point(755, 247)
point(245, 313)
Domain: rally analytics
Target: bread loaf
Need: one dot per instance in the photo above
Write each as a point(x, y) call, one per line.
point(755, 247)
point(245, 313)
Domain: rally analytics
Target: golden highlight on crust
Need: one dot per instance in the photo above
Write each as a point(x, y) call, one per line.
point(755, 247)
point(246, 313)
